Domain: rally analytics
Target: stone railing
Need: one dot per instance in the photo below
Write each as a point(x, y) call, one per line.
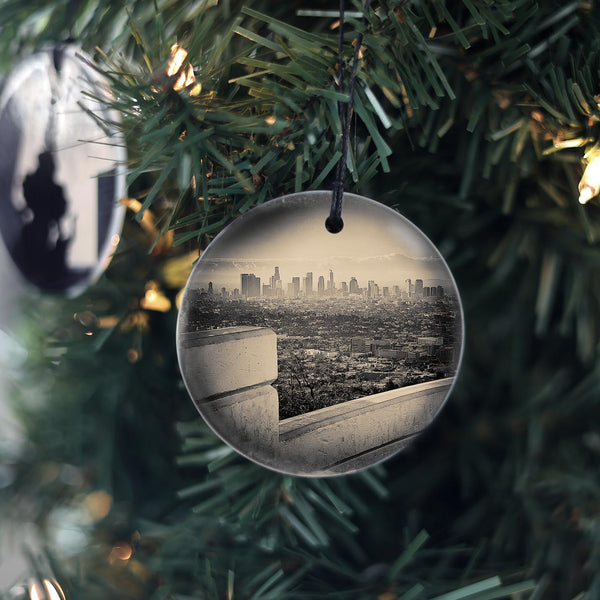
point(233, 392)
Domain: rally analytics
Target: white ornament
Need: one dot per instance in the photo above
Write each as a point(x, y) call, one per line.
point(315, 353)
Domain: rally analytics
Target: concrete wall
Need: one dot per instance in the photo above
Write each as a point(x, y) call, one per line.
point(355, 434)
point(229, 373)
point(230, 359)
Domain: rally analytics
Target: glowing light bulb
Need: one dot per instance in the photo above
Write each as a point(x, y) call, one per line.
point(154, 299)
point(120, 553)
point(589, 186)
point(34, 592)
point(186, 76)
point(53, 590)
point(178, 55)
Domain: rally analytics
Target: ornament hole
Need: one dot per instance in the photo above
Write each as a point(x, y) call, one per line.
point(334, 224)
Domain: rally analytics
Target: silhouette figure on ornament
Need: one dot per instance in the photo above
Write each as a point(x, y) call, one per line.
point(41, 250)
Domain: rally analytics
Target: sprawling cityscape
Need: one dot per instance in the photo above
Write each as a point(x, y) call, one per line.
point(337, 341)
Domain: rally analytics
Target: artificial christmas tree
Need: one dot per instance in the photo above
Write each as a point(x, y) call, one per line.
point(473, 119)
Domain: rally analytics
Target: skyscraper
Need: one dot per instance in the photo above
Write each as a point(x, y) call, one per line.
point(330, 284)
point(409, 287)
point(250, 285)
point(245, 277)
point(321, 285)
point(296, 286)
point(354, 289)
point(419, 288)
point(440, 291)
point(371, 289)
point(308, 284)
point(274, 279)
point(344, 287)
point(210, 288)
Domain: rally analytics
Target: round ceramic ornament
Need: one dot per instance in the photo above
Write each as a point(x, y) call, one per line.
point(315, 353)
point(62, 170)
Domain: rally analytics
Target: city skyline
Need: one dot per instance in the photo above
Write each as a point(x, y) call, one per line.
point(226, 273)
point(251, 285)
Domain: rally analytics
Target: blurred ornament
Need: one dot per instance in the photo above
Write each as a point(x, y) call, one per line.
point(62, 170)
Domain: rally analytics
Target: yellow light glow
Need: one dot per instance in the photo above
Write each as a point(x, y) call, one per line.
point(155, 300)
point(107, 322)
point(98, 504)
point(120, 552)
point(178, 55)
point(53, 590)
point(589, 186)
point(34, 592)
point(186, 76)
point(133, 355)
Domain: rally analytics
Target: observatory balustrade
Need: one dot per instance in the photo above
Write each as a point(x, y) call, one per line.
point(233, 391)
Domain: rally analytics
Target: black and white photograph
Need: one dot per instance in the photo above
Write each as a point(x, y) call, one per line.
point(316, 353)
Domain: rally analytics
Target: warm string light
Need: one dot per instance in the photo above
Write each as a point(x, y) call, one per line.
point(35, 593)
point(98, 504)
point(120, 553)
point(51, 590)
point(186, 76)
point(154, 299)
point(589, 186)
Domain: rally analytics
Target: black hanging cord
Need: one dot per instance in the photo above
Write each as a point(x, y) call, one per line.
point(334, 222)
point(73, 8)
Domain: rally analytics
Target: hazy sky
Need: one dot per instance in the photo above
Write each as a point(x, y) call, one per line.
point(376, 243)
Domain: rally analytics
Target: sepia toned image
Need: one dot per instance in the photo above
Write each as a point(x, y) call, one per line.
point(315, 353)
